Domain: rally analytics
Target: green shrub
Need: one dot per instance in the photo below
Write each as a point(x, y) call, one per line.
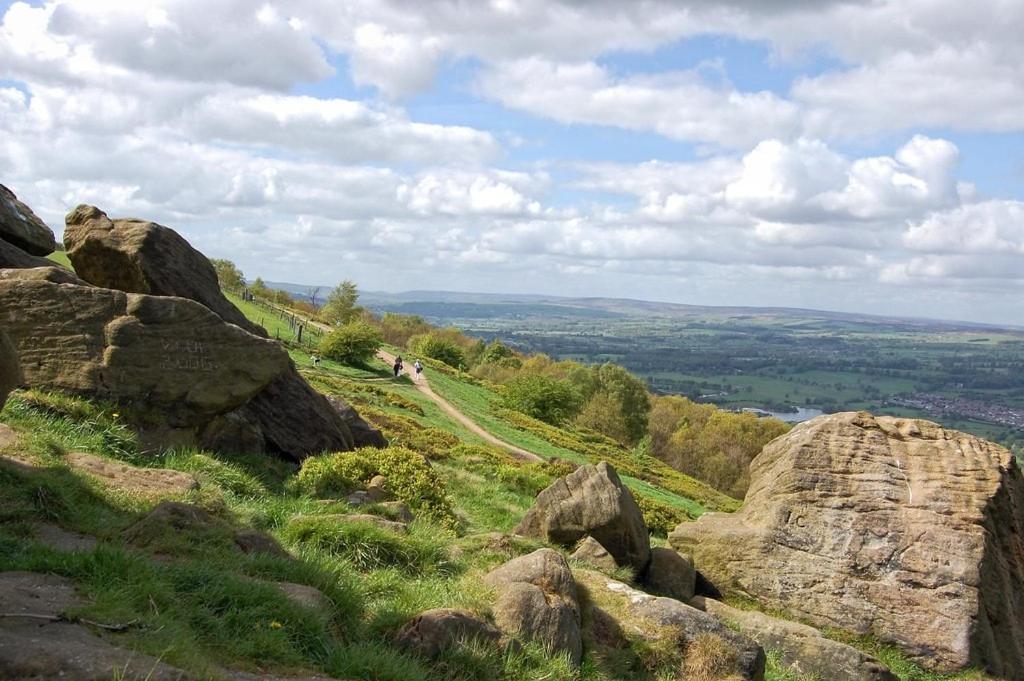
point(365, 545)
point(434, 346)
point(550, 400)
point(659, 517)
point(354, 343)
point(409, 475)
point(433, 443)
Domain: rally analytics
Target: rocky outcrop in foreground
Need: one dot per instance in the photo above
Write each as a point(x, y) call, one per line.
point(10, 368)
point(137, 256)
point(591, 501)
point(892, 527)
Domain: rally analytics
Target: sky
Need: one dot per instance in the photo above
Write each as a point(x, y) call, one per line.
point(863, 156)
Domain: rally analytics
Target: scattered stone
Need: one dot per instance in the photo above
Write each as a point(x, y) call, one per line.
point(358, 498)
point(170, 518)
point(537, 602)
point(655, 617)
point(10, 368)
point(305, 596)
point(150, 482)
point(803, 649)
point(34, 649)
point(591, 552)
point(7, 436)
point(432, 632)
point(378, 490)
point(670, 574)
point(877, 525)
point(61, 539)
point(396, 510)
point(591, 501)
point(136, 256)
point(21, 227)
point(252, 542)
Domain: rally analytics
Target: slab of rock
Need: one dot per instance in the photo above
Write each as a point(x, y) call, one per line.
point(591, 501)
point(885, 526)
point(537, 602)
point(22, 228)
point(432, 632)
point(170, 356)
point(670, 574)
point(656, 616)
point(252, 542)
point(802, 649)
point(136, 256)
point(10, 368)
point(591, 552)
point(61, 539)
point(171, 518)
point(33, 649)
point(150, 482)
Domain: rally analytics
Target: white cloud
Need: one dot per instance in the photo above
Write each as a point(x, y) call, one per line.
point(989, 227)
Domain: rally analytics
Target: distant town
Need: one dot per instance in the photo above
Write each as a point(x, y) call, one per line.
point(975, 409)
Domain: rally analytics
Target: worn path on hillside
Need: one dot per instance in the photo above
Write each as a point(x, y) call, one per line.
point(423, 385)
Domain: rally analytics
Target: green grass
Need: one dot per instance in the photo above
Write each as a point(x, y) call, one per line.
point(61, 258)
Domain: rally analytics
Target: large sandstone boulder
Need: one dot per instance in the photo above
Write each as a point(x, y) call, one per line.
point(537, 602)
point(168, 357)
point(802, 649)
point(10, 368)
point(670, 574)
point(591, 501)
point(137, 256)
point(20, 226)
point(885, 526)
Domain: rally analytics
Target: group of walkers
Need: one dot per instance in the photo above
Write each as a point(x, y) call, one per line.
point(416, 365)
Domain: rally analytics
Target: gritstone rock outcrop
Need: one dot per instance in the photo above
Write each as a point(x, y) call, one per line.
point(892, 527)
point(136, 256)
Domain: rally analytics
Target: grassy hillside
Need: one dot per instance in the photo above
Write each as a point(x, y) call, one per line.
point(189, 597)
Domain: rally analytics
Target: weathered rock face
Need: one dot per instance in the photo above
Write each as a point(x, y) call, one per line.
point(537, 602)
point(10, 368)
point(670, 574)
point(591, 501)
point(20, 226)
point(802, 649)
point(893, 527)
point(136, 256)
point(166, 354)
point(591, 552)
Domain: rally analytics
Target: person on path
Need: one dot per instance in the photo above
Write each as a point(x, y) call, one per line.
point(316, 360)
point(398, 366)
point(419, 369)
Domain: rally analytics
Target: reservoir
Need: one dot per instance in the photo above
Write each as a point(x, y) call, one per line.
point(801, 414)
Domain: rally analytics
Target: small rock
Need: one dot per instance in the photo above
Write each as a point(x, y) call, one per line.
point(397, 510)
point(670, 574)
point(21, 227)
point(378, 489)
point(253, 542)
point(537, 602)
point(358, 498)
point(151, 482)
point(432, 632)
point(170, 518)
point(305, 596)
point(61, 539)
point(591, 552)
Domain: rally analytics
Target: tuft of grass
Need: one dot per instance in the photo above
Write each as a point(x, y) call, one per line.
point(710, 658)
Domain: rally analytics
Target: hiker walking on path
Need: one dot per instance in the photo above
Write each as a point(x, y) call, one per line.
point(419, 369)
point(398, 366)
